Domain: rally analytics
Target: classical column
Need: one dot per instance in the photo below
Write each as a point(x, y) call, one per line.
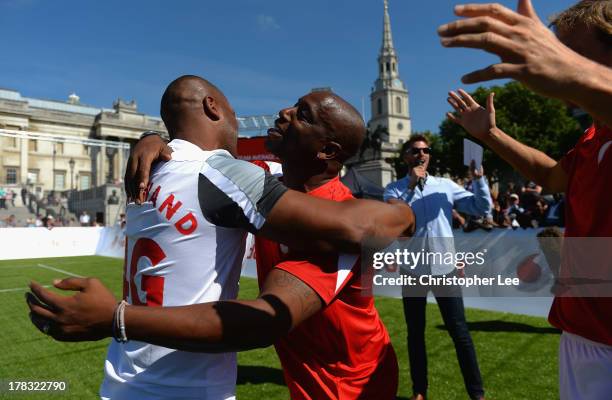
point(120, 161)
point(23, 160)
point(101, 176)
point(110, 176)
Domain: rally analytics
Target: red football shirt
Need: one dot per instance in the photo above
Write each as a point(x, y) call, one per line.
point(588, 214)
point(343, 351)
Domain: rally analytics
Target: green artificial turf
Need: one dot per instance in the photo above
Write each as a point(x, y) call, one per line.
point(517, 354)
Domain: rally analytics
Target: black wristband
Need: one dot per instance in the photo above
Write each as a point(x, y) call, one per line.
point(148, 133)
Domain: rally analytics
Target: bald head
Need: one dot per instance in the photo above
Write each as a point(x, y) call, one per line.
point(343, 122)
point(183, 99)
point(195, 110)
point(321, 128)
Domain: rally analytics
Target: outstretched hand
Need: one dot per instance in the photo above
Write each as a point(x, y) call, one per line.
point(148, 150)
point(87, 315)
point(529, 51)
point(474, 118)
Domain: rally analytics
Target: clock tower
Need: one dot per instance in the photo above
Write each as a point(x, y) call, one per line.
point(389, 97)
point(390, 113)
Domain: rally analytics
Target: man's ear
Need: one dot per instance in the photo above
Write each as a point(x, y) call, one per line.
point(211, 108)
point(330, 151)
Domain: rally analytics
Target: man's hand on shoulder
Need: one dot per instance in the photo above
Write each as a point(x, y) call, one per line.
point(147, 150)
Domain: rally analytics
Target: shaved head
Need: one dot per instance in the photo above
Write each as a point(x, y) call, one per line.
point(321, 128)
point(343, 121)
point(315, 137)
point(195, 110)
point(184, 96)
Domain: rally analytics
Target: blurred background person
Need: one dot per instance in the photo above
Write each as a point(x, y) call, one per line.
point(85, 219)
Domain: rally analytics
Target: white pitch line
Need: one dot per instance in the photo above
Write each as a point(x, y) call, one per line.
point(19, 289)
point(60, 270)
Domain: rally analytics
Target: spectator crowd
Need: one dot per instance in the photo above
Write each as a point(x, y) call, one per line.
point(48, 211)
point(516, 206)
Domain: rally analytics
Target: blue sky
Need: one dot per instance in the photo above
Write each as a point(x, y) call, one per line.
point(263, 54)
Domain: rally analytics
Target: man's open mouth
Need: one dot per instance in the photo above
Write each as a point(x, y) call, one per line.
point(274, 133)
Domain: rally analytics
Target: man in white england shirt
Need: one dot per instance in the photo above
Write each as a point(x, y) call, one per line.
point(185, 243)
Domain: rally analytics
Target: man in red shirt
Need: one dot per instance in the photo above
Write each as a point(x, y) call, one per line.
point(343, 351)
point(582, 312)
point(313, 306)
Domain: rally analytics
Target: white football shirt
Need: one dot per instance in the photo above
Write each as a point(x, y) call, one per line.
point(176, 257)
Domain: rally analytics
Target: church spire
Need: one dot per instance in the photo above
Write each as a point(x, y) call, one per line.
point(389, 97)
point(387, 44)
point(387, 59)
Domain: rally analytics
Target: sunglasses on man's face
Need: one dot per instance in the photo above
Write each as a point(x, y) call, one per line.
point(416, 150)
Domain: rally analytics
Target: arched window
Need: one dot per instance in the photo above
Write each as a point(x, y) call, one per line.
point(393, 67)
point(388, 67)
point(398, 105)
point(379, 106)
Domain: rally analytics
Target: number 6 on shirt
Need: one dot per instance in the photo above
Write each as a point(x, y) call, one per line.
point(152, 286)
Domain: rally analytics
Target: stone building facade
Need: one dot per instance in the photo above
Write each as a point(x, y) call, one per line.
point(57, 146)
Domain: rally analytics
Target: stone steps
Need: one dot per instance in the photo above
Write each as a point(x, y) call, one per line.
point(21, 214)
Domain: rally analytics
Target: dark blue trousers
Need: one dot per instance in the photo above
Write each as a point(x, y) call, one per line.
point(450, 304)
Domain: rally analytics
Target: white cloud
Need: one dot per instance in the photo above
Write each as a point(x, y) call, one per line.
point(267, 23)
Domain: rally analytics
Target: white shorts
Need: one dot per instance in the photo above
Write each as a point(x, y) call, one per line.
point(585, 369)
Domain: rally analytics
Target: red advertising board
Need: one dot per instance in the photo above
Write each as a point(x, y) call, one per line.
point(253, 148)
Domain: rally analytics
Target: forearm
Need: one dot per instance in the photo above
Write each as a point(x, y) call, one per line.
point(531, 163)
point(209, 327)
point(482, 195)
point(343, 226)
point(378, 224)
point(400, 222)
point(302, 226)
point(592, 91)
point(479, 204)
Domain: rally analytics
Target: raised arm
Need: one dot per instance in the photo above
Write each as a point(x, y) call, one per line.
point(479, 202)
point(530, 53)
point(221, 326)
point(480, 123)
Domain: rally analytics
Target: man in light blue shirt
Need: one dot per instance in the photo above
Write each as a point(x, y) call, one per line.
point(434, 204)
point(432, 199)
